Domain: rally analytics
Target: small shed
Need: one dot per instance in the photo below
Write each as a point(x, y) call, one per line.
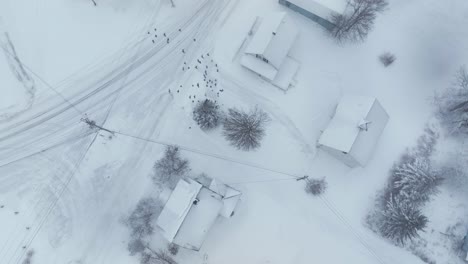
point(354, 130)
point(267, 52)
point(192, 209)
point(320, 11)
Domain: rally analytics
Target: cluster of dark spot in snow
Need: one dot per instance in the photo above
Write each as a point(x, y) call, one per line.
point(155, 36)
point(205, 83)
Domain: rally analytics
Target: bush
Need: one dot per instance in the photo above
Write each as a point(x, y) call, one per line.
point(245, 130)
point(170, 168)
point(402, 221)
point(316, 186)
point(387, 59)
point(207, 114)
point(173, 249)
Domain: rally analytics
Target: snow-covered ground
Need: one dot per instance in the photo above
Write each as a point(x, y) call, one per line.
point(70, 186)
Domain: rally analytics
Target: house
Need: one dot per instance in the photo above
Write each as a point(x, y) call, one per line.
point(354, 130)
point(193, 208)
point(320, 11)
point(267, 52)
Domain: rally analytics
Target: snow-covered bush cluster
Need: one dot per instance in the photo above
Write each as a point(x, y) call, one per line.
point(452, 104)
point(170, 168)
point(207, 114)
point(316, 186)
point(245, 130)
point(412, 182)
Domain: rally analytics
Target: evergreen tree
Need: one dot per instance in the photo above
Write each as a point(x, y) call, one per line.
point(415, 181)
point(207, 114)
point(402, 221)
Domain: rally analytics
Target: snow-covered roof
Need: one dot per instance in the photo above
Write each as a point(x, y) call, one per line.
point(344, 133)
point(273, 39)
point(321, 8)
point(186, 223)
point(199, 220)
point(177, 207)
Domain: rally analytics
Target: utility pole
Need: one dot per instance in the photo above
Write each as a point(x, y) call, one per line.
point(92, 124)
point(172, 3)
point(305, 177)
point(94, 2)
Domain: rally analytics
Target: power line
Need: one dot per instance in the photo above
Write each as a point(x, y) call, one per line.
point(208, 154)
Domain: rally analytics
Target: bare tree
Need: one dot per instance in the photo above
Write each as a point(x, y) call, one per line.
point(357, 21)
point(452, 104)
point(387, 58)
point(151, 256)
point(141, 219)
point(245, 130)
point(207, 114)
point(316, 186)
point(170, 168)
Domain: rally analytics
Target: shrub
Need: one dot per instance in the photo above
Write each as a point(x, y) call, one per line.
point(316, 186)
point(173, 249)
point(245, 130)
point(387, 58)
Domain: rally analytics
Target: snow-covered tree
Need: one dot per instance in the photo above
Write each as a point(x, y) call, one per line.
point(401, 221)
point(452, 104)
point(316, 186)
point(245, 130)
point(207, 114)
point(358, 19)
point(170, 168)
point(415, 182)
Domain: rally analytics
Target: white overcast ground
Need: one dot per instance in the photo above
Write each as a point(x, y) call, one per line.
point(71, 186)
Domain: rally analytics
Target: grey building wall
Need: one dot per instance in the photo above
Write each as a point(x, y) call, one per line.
point(323, 22)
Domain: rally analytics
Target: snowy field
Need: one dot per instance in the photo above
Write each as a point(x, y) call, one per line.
point(64, 187)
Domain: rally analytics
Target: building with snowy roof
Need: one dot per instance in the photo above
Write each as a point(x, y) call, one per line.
point(267, 52)
point(354, 130)
point(320, 11)
point(192, 209)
